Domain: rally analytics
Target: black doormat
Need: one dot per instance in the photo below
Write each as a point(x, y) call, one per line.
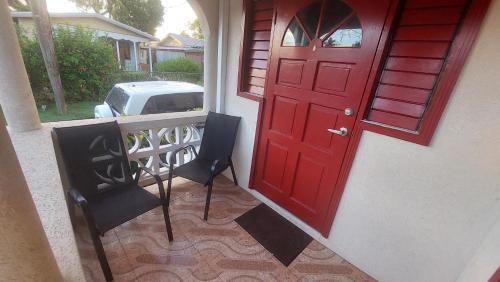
point(279, 236)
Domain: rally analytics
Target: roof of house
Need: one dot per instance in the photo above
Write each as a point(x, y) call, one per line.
point(185, 41)
point(89, 15)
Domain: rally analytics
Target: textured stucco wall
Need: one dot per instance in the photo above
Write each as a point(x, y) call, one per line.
point(21, 230)
point(422, 212)
point(413, 213)
point(486, 258)
point(238, 106)
point(37, 158)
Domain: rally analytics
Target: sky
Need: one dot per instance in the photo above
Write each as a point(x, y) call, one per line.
point(178, 14)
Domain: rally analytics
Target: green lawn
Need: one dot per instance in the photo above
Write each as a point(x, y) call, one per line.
point(80, 110)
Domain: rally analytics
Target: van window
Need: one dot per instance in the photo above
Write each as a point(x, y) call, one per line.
point(117, 99)
point(168, 103)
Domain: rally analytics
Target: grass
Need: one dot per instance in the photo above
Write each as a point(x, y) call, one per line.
point(79, 110)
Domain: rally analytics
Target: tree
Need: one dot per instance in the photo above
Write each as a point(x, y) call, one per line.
point(44, 30)
point(195, 29)
point(19, 5)
point(144, 15)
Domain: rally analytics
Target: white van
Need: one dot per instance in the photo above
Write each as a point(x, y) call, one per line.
point(150, 97)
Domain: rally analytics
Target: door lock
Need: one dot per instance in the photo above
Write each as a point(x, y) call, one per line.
point(348, 112)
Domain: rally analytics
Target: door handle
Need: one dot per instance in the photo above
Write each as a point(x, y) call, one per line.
point(342, 131)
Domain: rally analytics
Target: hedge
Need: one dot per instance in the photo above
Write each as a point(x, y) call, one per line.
point(87, 65)
point(181, 64)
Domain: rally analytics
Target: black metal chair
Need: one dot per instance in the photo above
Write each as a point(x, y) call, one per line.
point(214, 157)
point(93, 162)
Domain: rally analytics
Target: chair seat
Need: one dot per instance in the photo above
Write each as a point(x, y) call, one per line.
point(197, 170)
point(118, 206)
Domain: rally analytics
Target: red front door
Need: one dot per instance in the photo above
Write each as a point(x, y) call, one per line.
point(321, 55)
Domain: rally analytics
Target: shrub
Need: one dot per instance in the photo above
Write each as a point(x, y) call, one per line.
point(85, 64)
point(178, 65)
point(35, 67)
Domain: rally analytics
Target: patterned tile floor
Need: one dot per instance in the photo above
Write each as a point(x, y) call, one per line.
point(217, 250)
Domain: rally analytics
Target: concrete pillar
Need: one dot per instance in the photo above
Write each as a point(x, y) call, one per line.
point(208, 13)
point(16, 97)
point(223, 35)
point(118, 53)
point(26, 254)
point(136, 56)
point(150, 59)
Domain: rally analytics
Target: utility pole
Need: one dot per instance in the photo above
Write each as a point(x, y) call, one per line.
point(44, 30)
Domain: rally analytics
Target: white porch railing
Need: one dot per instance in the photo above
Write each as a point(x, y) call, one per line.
point(151, 140)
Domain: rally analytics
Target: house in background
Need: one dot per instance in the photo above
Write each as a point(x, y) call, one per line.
point(129, 41)
point(177, 45)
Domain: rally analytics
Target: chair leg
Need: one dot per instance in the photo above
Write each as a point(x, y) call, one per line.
point(169, 186)
point(96, 240)
point(72, 213)
point(232, 172)
point(207, 203)
point(167, 222)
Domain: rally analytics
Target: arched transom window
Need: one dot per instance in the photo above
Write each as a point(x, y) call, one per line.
point(331, 21)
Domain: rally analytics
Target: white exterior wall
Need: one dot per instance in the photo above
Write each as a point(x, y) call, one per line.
point(422, 212)
point(409, 212)
point(236, 105)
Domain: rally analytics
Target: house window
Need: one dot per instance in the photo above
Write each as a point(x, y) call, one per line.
point(427, 52)
point(124, 49)
point(258, 22)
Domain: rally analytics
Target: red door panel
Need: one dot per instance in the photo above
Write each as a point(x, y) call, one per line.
point(321, 55)
point(290, 72)
point(318, 119)
point(283, 116)
point(306, 185)
point(275, 162)
point(324, 83)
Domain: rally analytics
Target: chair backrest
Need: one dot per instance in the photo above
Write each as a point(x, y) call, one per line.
point(219, 136)
point(93, 156)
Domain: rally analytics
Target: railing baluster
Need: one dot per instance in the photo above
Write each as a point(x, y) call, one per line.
point(155, 146)
point(156, 130)
point(180, 141)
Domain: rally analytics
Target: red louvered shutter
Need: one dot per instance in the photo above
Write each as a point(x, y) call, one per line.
point(255, 48)
point(420, 47)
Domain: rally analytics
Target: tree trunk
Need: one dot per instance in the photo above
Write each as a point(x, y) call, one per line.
point(44, 30)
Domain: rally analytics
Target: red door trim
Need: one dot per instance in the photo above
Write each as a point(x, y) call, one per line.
point(461, 49)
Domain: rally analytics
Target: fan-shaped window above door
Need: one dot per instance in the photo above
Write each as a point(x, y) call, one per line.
point(331, 21)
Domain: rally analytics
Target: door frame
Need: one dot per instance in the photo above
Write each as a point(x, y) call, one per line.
point(393, 12)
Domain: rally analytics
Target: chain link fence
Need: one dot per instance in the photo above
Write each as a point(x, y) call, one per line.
point(196, 78)
point(130, 76)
